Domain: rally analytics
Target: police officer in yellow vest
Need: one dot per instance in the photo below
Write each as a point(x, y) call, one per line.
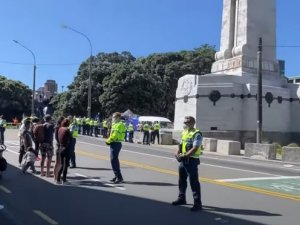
point(187, 155)
point(117, 135)
point(2, 129)
point(146, 129)
point(74, 131)
point(130, 131)
point(155, 131)
point(105, 126)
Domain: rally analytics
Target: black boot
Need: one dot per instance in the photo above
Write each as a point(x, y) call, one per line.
point(196, 207)
point(179, 201)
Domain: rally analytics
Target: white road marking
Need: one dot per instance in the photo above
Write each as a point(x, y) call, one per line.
point(97, 180)
point(259, 178)
point(288, 165)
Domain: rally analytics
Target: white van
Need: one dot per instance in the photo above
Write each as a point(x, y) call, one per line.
point(164, 122)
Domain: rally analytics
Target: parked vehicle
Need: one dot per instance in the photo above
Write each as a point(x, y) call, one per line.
point(164, 122)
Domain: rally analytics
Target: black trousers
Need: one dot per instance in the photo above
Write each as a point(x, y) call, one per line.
point(65, 158)
point(189, 169)
point(2, 130)
point(146, 137)
point(154, 134)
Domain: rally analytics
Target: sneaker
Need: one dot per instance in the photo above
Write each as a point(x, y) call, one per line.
point(196, 207)
point(118, 181)
point(58, 182)
point(66, 183)
point(113, 180)
point(73, 166)
point(37, 159)
point(179, 201)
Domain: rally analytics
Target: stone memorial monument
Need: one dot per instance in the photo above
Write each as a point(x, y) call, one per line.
point(224, 102)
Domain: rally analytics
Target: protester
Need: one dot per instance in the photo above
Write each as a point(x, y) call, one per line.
point(64, 140)
point(47, 146)
point(58, 164)
point(25, 140)
point(29, 160)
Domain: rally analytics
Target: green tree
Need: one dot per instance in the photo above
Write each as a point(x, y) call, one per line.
point(15, 98)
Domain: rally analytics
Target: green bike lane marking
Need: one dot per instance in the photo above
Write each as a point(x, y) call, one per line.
point(287, 185)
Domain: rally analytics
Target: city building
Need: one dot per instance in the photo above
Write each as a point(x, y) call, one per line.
point(46, 92)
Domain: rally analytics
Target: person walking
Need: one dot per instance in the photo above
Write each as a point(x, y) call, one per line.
point(115, 139)
point(2, 129)
point(188, 154)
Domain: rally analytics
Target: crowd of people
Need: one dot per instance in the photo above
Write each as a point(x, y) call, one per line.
point(37, 138)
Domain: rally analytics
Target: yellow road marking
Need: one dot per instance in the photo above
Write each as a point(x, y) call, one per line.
point(207, 180)
point(4, 189)
point(45, 217)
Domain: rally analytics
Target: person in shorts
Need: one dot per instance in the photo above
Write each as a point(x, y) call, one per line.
point(46, 147)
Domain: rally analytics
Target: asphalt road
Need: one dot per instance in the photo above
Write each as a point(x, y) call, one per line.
point(235, 190)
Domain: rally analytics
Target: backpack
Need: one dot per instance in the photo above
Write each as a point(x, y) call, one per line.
point(39, 133)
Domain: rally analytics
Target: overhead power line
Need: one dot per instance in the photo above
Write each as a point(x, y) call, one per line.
point(41, 64)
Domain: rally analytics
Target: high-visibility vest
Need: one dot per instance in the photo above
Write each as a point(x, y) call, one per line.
point(95, 123)
point(74, 130)
point(117, 133)
point(188, 139)
point(130, 127)
point(104, 124)
point(3, 123)
point(146, 127)
point(156, 126)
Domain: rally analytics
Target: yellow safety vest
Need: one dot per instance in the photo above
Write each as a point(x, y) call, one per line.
point(117, 134)
point(188, 139)
point(146, 127)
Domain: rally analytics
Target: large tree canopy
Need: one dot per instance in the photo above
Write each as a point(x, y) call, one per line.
point(147, 86)
point(15, 98)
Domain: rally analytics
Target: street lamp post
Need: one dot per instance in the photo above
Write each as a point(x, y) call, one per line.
point(33, 82)
point(89, 108)
point(259, 93)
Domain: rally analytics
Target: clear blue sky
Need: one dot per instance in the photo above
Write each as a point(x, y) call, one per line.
point(141, 27)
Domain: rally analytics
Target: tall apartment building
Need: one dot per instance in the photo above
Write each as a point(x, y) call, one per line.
point(46, 92)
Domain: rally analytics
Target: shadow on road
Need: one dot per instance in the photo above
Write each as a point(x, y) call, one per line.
point(150, 183)
point(92, 168)
point(240, 211)
point(73, 205)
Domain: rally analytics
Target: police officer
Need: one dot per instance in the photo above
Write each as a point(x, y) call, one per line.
point(74, 131)
point(146, 129)
point(187, 155)
point(156, 128)
point(116, 136)
point(105, 127)
point(130, 131)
